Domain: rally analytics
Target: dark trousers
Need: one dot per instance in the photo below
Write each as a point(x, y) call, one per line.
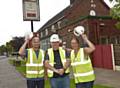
point(85, 85)
point(35, 83)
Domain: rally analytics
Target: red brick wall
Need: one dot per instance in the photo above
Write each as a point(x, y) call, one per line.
point(83, 7)
point(96, 31)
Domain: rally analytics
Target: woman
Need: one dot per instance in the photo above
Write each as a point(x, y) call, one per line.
point(81, 63)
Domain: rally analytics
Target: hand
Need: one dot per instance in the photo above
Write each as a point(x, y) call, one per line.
point(27, 39)
point(56, 71)
point(61, 71)
point(84, 37)
point(46, 78)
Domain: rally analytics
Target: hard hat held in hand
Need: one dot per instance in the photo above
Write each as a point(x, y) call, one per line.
point(79, 30)
point(28, 35)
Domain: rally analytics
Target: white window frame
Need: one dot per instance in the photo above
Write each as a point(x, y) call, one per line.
point(59, 24)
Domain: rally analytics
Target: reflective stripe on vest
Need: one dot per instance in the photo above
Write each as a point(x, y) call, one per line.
point(82, 67)
point(51, 59)
point(34, 65)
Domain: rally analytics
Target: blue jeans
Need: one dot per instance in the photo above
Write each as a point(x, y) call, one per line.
point(85, 85)
point(61, 82)
point(35, 83)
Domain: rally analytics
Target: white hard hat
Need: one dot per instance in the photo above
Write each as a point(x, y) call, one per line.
point(28, 35)
point(54, 38)
point(79, 30)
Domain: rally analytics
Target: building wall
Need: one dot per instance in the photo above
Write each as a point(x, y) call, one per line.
point(99, 30)
point(103, 31)
point(83, 7)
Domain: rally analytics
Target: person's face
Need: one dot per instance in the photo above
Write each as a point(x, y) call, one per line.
point(36, 42)
point(74, 44)
point(55, 45)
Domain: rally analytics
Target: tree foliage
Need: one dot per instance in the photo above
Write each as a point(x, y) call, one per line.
point(17, 43)
point(115, 11)
point(2, 49)
point(12, 46)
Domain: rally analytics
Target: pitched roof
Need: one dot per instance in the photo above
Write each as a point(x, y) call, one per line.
point(105, 4)
point(54, 19)
point(61, 15)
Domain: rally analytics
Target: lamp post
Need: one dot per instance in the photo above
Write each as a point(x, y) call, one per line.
point(32, 28)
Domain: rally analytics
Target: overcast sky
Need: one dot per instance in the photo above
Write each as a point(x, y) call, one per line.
point(11, 17)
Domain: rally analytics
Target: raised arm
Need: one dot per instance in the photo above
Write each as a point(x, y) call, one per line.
point(90, 47)
point(22, 48)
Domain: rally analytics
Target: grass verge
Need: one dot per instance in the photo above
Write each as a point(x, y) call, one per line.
point(22, 70)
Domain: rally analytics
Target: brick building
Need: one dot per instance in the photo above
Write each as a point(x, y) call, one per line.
point(92, 14)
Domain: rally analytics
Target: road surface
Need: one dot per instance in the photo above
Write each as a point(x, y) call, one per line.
point(9, 77)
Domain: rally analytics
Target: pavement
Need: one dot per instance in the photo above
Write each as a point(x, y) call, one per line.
point(107, 77)
point(2, 57)
point(10, 78)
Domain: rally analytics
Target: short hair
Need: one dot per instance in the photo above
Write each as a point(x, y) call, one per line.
point(34, 37)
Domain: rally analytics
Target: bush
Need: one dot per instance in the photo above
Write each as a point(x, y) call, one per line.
point(15, 62)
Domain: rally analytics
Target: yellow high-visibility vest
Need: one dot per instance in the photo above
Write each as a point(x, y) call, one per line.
point(82, 67)
point(34, 65)
point(51, 60)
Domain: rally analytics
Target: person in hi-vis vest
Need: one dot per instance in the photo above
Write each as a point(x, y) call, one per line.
point(34, 63)
point(57, 62)
point(80, 61)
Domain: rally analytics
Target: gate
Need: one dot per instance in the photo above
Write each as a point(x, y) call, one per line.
point(102, 57)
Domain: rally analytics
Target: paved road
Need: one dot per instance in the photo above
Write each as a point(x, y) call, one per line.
point(2, 57)
point(108, 77)
point(9, 77)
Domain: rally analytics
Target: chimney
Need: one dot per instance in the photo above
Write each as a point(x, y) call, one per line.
point(71, 1)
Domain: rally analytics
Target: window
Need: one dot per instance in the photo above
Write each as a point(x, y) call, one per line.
point(119, 40)
point(41, 34)
point(113, 40)
point(93, 5)
point(104, 40)
point(53, 28)
point(92, 12)
point(92, 1)
point(59, 24)
point(46, 30)
point(45, 44)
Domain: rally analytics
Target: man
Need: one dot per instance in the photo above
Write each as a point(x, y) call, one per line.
point(57, 62)
point(34, 63)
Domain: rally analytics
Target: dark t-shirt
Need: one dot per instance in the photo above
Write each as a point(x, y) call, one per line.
point(36, 52)
point(58, 63)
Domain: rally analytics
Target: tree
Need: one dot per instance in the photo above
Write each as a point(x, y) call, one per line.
point(17, 43)
point(9, 47)
point(115, 12)
point(2, 49)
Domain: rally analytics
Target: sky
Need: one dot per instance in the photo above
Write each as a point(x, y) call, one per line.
point(11, 17)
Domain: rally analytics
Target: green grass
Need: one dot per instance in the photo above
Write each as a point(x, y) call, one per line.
point(22, 70)
point(101, 86)
point(72, 85)
point(11, 61)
